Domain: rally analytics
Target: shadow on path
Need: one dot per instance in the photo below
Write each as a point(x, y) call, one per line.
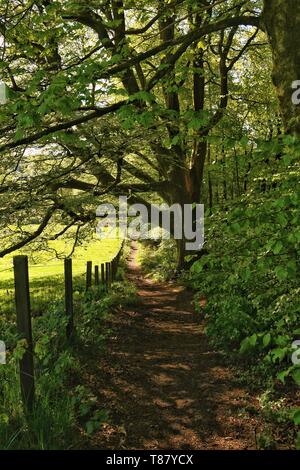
point(163, 385)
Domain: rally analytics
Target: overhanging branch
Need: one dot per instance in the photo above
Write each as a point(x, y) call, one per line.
point(32, 236)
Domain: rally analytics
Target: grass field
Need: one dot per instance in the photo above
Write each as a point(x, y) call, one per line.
point(61, 408)
point(46, 268)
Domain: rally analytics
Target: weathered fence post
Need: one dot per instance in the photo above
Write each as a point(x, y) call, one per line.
point(102, 273)
point(96, 275)
point(69, 296)
point(22, 299)
point(114, 268)
point(88, 275)
point(107, 275)
point(119, 254)
point(110, 273)
point(116, 265)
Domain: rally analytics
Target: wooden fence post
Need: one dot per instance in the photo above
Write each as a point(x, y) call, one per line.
point(112, 270)
point(96, 275)
point(102, 273)
point(22, 299)
point(88, 275)
point(110, 273)
point(117, 258)
point(69, 296)
point(115, 267)
point(107, 275)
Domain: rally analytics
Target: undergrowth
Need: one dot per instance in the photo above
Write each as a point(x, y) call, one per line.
point(158, 260)
point(249, 276)
point(63, 414)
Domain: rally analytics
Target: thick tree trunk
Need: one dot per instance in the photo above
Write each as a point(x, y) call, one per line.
point(282, 24)
point(180, 194)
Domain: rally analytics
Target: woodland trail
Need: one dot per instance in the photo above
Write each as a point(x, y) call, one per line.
point(163, 386)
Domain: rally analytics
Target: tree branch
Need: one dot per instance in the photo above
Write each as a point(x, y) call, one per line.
point(62, 126)
point(31, 237)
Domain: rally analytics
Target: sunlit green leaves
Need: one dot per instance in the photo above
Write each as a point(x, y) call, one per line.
point(281, 273)
point(196, 119)
point(296, 417)
point(296, 376)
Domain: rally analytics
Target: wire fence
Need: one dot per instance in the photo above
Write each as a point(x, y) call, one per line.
point(24, 295)
point(44, 288)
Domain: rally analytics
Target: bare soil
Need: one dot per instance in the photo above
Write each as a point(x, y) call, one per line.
point(163, 385)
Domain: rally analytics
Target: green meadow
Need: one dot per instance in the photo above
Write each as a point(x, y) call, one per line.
point(59, 408)
point(46, 269)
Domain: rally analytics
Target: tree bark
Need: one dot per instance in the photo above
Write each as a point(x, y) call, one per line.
point(282, 23)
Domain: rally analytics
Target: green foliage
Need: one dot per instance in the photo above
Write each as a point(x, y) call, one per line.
point(53, 420)
point(158, 260)
point(190, 100)
point(250, 276)
point(60, 409)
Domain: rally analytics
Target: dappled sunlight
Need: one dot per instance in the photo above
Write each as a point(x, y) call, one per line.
point(167, 390)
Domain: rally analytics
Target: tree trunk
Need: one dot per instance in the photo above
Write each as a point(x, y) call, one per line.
point(282, 24)
point(181, 252)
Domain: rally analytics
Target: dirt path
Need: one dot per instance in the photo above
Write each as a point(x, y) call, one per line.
point(162, 384)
